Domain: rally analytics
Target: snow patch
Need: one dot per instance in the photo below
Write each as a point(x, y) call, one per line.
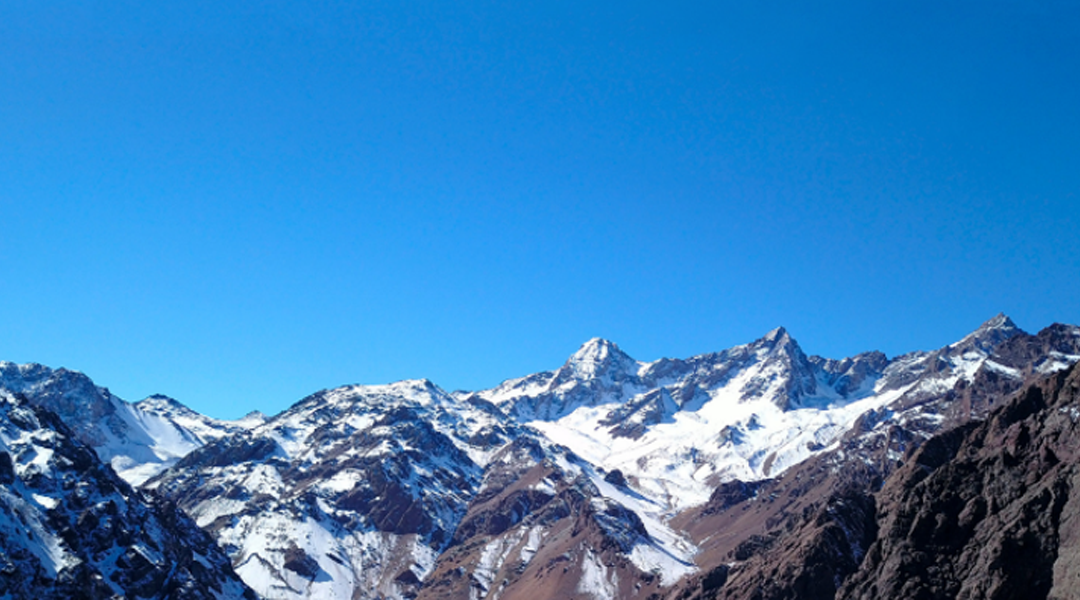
point(595, 580)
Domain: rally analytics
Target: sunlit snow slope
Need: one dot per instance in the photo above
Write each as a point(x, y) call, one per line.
point(677, 428)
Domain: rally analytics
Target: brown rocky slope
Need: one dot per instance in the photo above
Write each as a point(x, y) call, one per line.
point(830, 526)
point(989, 510)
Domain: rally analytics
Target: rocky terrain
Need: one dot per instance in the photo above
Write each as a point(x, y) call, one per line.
point(755, 472)
point(70, 528)
point(803, 534)
point(987, 510)
point(357, 488)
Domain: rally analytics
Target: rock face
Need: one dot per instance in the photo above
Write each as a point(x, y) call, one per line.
point(70, 528)
point(987, 510)
point(546, 525)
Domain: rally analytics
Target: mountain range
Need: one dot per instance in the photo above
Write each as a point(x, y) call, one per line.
point(754, 472)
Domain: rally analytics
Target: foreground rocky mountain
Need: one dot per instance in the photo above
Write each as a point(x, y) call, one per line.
point(988, 510)
point(70, 528)
point(749, 473)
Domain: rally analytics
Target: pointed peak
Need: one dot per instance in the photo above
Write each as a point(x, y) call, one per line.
point(596, 349)
point(779, 341)
point(777, 338)
point(598, 356)
point(998, 321)
point(776, 334)
point(989, 334)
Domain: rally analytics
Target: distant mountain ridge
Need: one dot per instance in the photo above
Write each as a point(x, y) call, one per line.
point(138, 439)
point(605, 478)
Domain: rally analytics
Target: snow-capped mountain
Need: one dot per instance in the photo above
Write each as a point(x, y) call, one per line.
point(352, 492)
point(804, 532)
point(598, 373)
point(70, 528)
point(139, 440)
point(678, 428)
point(360, 491)
point(608, 477)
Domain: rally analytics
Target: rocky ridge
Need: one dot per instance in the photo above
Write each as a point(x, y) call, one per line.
point(138, 439)
point(70, 528)
point(801, 535)
point(986, 510)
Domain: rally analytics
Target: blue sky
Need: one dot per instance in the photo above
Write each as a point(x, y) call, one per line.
point(238, 204)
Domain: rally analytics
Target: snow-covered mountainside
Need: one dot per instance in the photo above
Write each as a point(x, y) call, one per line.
point(801, 534)
point(70, 528)
point(678, 428)
point(139, 440)
point(351, 491)
point(359, 492)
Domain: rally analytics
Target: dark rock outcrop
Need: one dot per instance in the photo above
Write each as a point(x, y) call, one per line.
point(71, 528)
point(985, 511)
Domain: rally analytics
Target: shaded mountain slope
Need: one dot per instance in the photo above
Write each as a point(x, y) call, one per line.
point(990, 510)
point(70, 528)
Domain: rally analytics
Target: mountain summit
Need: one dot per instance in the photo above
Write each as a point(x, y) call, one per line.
point(600, 358)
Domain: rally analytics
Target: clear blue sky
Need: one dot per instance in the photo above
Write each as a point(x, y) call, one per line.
point(239, 203)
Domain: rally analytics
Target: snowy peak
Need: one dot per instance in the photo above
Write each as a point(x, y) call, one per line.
point(775, 335)
point(162, 404)
point(138, 440)
point(778, 343)
point(596, 349)
point(598, 373)
point(998, 321)
point(988, 336)
point(598, 358)
point(419, 395)
point(784, 368)
point(70, 394)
